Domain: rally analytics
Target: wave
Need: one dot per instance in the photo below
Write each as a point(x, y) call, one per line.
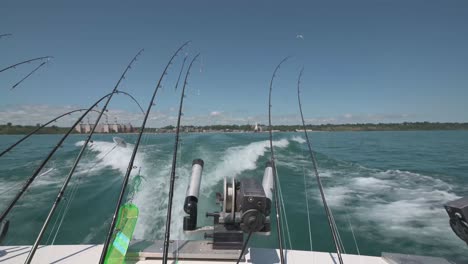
point(393, 203)
point(108, 156)
point(298, 139)
point(152, 199)
point(239, 159)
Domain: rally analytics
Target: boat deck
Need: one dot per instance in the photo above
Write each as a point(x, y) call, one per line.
point(79, 254)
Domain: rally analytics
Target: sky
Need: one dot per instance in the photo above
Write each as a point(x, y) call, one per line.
point(364, 61)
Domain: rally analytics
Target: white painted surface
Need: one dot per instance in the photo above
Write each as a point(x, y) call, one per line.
point(70, 254)
point(89, 254)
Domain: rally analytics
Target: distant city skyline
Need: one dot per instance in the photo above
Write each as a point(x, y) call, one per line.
point(365, 61)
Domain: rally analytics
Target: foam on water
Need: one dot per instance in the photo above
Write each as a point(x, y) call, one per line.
point(298, 139)
point(391, 209)
point(108, 155)
point(47, 177)
point(397, 204)
point(239, 159)
point(152, 199)
point(52, 174)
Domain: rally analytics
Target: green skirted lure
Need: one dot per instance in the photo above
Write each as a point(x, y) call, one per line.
point(135, 186)
point(125, 226)
point(126, 222)
point(136, 183)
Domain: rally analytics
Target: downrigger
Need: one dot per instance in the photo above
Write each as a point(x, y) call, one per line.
point(245, 208)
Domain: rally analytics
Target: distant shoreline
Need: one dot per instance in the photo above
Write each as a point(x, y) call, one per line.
point(406, 126)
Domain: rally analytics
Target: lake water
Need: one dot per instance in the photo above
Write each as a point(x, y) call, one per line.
point(388, 188)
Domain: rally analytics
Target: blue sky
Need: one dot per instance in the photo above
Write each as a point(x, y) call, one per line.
point(365, 61)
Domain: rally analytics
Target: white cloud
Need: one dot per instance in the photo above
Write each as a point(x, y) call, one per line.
point(33, 114)
point(215, 113)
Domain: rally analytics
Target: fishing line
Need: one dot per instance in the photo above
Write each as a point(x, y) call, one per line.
point(133, 98)
point(330, 218)
point(146, 137)
point(40, 127)
point(136, 185)
point(132, 159)
point(244, 246)
point(284, 211)
point(19, 183)
point(74, 190)
point(77, 160)
point(29, 74)
point(25, 62)
point(306, 199)
point(180, 73)
point(272, 160)
point(173, 167)
point(177, 252)
point(202, 65)
point(5, 35)
point(352, 232)
point(338, 232)
point(64, 208)
point(31, 179)
point(11, 188)
point(184, 95)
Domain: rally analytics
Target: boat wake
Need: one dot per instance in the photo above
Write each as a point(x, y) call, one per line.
point(152, 200)
point(382, 204)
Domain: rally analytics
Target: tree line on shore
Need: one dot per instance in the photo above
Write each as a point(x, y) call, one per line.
point(10, 129)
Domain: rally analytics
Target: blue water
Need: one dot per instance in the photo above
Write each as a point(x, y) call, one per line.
point(386, 188)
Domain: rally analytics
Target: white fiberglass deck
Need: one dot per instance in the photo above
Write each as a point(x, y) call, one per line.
point(84, 254)
point(80, 254)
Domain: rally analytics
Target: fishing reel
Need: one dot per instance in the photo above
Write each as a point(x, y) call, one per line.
point(245, 208)
point(458, 213)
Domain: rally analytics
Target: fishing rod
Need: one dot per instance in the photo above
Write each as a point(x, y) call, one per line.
point(4, 227)
point(47, 58)
point(62, 115)
point(133, 98)
point(180, 73)
point(77, 160)
point(29, 74)
point(174, 163)
point(26, 61)
point(132, 159)
point(30, 180)
point(41, 166)
point(272, 159)
point(39, 128)
point(49, 156)
point(5, 35)
point(244, 247)
point(331, 221)
point(119, 142)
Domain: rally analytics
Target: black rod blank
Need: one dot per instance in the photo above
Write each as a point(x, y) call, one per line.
point(77, 160)
point(331, 221)
point(26, 61)
point(44, 162)
point(173, 168)
point(39, 128)
point(275, 176)
point(132, 159)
